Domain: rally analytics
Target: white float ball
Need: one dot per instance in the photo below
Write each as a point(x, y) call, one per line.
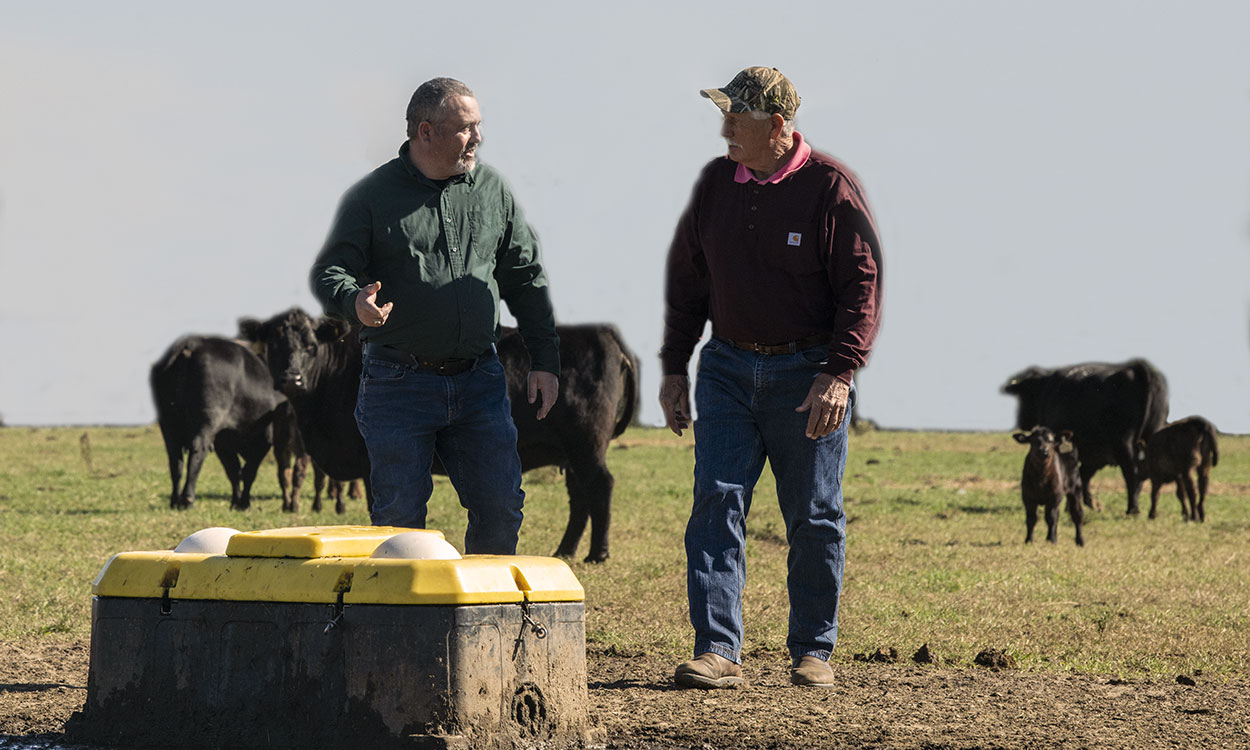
point(416, 545)
point(210, 541)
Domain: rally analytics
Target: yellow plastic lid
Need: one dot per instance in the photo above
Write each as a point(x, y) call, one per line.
point(359, 579)
point(308, 542)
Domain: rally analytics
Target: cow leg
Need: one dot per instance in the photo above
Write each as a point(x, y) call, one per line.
point(286, 477)
point(292, 468)
point(1180, 495)
point(579, 515)
point(1052, 521)
point(174, 452)
point(590, 487)
point(195, 461)
point(355, 489)
point(1077, 515)
point(250, 467)
point(1131, 481)
point(1154, 496)
point(319, 485)
point(230, 462)
point(1087, 473)
point(1030, 520)
point(299, 471)
point(1192, 494)
point(1204, 479)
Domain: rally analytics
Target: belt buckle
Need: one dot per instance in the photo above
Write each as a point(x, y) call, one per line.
point(759, 348)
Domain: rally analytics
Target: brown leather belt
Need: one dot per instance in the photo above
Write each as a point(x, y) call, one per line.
point(789, 347)
point(450, 366)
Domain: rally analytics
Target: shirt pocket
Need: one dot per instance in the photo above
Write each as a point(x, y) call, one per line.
point(794, 248)
point(485, 233)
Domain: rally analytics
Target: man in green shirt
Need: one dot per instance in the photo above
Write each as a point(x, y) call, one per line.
point(420, 254)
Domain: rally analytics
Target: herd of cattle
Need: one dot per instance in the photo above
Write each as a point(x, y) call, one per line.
point(1084, 417)
point(290, 383)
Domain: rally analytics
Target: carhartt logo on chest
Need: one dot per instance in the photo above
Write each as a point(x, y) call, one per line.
point(795, 238)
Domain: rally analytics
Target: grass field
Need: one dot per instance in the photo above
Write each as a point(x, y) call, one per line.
point(935, 550)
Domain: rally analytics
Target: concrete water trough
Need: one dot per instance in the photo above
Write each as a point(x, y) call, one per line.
point(334, 636)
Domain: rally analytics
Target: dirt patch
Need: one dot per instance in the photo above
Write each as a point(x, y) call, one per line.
point(888, 706)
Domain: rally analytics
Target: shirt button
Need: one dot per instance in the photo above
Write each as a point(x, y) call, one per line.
point(750, 226)
point(755, 208)
point(454, 249)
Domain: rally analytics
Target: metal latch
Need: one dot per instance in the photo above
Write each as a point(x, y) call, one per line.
point(537, 628)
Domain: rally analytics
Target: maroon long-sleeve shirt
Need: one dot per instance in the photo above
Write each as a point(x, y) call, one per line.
point(775, 262)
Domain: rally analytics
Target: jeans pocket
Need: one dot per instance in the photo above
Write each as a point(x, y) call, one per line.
point(815, 356)
point(713, 344)
point(381, 371)
point(490, 365)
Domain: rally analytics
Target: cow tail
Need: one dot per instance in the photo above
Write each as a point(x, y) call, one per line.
point(180, 350)
point(1209, 431)
point(1156, 401)
point(629, 387)
point(175, 358)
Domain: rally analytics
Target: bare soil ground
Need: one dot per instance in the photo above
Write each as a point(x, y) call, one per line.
point(877, 705)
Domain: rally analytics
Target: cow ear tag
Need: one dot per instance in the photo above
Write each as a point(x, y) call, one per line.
point(1065, 447)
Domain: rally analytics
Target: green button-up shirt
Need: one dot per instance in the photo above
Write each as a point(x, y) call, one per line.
point(446, 253)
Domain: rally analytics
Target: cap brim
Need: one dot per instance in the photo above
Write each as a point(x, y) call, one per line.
point(726, 102)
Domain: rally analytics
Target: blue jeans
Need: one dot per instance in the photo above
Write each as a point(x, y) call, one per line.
point(746, 412)
point(406, 416)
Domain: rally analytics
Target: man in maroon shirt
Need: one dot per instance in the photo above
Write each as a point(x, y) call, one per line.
point(779, 250)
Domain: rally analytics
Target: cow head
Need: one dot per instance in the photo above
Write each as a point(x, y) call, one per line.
point(1041, 441)
point(289, 343)
point(1025, 385)
point(1025, 381)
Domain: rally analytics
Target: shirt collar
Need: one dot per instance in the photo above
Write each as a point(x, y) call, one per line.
point(411, 168)
point(801, 152)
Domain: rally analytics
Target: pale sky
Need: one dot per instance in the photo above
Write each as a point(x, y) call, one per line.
point(1055, 182)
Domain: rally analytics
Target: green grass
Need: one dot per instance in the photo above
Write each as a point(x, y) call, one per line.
point(935, 550)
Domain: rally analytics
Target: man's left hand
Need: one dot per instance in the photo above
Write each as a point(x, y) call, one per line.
point(547, 384)
point(827, 402)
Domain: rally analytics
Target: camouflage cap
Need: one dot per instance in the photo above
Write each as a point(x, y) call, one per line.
point(759, 88)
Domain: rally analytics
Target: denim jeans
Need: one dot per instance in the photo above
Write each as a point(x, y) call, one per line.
point(407, 416)
point(745, 405)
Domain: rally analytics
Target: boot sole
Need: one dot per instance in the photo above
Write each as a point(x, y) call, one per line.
point(804, 682)
point(707, 683)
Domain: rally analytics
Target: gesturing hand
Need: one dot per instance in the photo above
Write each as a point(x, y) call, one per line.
point(367, 310)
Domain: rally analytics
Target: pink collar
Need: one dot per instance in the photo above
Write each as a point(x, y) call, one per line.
point(797, 159)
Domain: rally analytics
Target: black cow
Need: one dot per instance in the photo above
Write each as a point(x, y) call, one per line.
point(1107, 407)
point(214, 394)
point(1171, 454)
point(316, 363)
point(1051, 477)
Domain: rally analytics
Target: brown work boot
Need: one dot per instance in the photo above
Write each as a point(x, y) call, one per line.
point(812, 671)
point(708, 671)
